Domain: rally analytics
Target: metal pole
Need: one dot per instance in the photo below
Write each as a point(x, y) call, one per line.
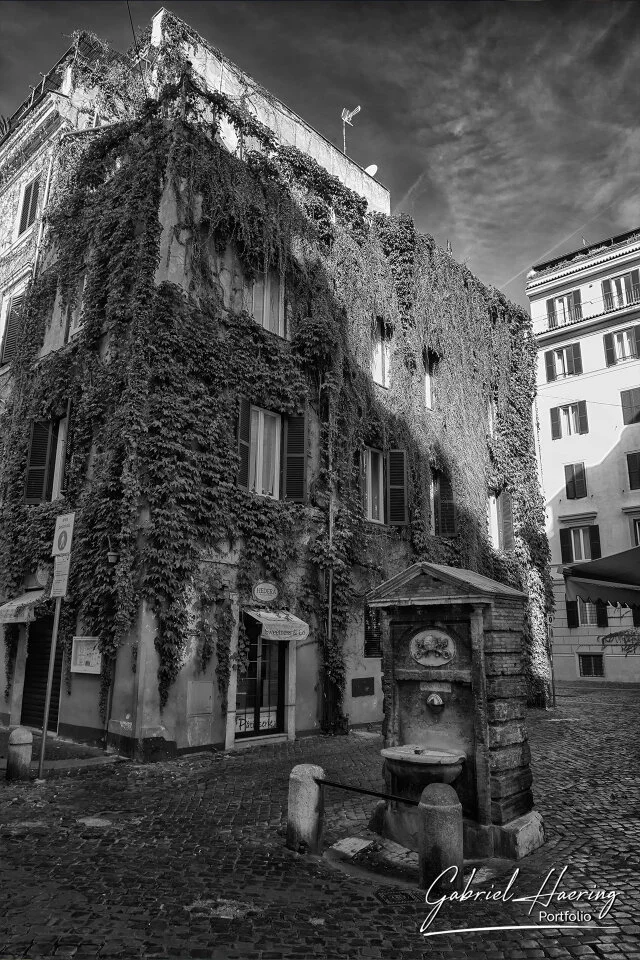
point(550, 655)
point(344, 137)
point(47, 702)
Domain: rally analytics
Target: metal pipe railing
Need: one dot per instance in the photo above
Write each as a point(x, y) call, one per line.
point(369, 793)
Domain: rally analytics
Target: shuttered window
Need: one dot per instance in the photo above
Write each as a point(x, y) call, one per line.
point(630, 405)
point(563, 362)
point(569, 419)
point(622, 345)
point(504, 504)
point(13, 320)
point(565, 309)
point(580, 543)
point(29, 208)
point(444, 506)
point(272, 452)
point(633, 466)
point(397, 513)
point(372, 633)
point(575, 481)
point(41, 462)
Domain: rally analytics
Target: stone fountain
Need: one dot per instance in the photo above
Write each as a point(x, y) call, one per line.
point(455, 706)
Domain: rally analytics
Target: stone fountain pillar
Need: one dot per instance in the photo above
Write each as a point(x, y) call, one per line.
point(454, 688)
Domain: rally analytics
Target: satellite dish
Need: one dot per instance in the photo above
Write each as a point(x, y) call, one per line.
point(371, 170)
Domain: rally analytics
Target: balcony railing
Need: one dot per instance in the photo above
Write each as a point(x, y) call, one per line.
point(563, 318)
point(616, 301)
point(608, 303)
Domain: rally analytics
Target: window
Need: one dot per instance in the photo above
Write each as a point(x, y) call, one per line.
point(429, 361)
point(563, 362)
point(267, 307)
point(575, 481)
point(501, 520)
point(444, 507)
point(621, 291)
point(10, 325)
point(29, 206)
point(636, 531)
point(630, 405)
point(381, 361)
point(569, 419)
point(633, 466)
point(565, 309)
point(372, 633)
point(75, 318)
point(273, 453)
point(591, 664)
point(384, 486)
point(581, 614)
point(44, 478)
point(622, 345)
point(580, 543)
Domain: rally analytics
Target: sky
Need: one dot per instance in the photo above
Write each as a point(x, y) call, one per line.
point(506, 127)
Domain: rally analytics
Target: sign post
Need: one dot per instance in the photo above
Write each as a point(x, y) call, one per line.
point(61, 552)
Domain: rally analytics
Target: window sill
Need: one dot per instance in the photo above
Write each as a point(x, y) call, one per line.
point(19, 241)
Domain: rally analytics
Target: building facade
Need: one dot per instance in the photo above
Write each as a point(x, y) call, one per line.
point(251, 386)
point(585, 308)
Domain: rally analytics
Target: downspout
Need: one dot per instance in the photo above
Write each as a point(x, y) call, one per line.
point(45, 200)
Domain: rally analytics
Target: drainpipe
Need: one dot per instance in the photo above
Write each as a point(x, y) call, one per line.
point(45, 200)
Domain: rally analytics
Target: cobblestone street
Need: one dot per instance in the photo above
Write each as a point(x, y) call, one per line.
point(187, 858)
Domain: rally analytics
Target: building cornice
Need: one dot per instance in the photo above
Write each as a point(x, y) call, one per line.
point(539, 285)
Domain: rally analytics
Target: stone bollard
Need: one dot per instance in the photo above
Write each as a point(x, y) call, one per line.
point(19, 754)
point(305, 814)
point(440, 818)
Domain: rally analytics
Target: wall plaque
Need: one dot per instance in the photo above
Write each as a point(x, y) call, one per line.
point(432, 648)
point(264, 591)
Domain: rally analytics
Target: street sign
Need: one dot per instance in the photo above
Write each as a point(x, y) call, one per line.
point(63, 536)
point(60, 576)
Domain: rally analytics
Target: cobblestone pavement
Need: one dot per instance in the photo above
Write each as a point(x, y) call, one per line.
point(56, 748)
point(187, 858)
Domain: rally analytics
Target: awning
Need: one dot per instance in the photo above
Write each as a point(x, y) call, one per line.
point(279, 625)
point(614, 579)
point(20, 610)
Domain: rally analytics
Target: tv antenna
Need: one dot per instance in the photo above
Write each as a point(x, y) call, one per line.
point(347, 117)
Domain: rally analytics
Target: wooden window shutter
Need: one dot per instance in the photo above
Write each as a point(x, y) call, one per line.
point(594, 541)
point(583, 423)
point(630, 405)
point(39, 476)
point(606, 295)
point(570, 481)
point(14, 318)
point(556, 431)
point(602, 618)
point(244, 442)
point(577, 305)
point(397, 513)
point(609, 352)
point(566, 547)
point(633, 466)
point(572, 614)
point(446, 510)
point(29, 205)
point(551, 313)
point(360, 465)
point(577, 358)
point(504, 504)
point(295, 459)
point(550, 365)
point(580, 480)
point(636, 339)
point(635, 613)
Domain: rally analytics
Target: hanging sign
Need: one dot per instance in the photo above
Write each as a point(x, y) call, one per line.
point(264, 591)
point(63, 536)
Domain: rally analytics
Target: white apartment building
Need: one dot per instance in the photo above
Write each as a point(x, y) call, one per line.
point(585, 308)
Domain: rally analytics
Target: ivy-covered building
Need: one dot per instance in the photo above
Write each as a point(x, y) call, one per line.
point(260, 394)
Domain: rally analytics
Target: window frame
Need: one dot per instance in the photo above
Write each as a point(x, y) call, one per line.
point(632, 405)
point(571, 307)
point(561, 416)
point(266, 278)
point(381, 350)
point(55, 461)
point(593, 657)
point(575, 478)
point(257, 442)
point(368, 485)
point(17, 290)
point(21, 234)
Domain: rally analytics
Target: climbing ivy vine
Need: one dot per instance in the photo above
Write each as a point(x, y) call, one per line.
point(155, 374)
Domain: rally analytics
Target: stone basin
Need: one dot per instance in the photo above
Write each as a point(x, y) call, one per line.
point(416, 766)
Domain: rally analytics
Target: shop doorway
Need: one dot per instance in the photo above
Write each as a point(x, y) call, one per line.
point(36, 674)
point(260, 693)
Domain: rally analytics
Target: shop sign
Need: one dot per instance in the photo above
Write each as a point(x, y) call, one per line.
point(264, 591)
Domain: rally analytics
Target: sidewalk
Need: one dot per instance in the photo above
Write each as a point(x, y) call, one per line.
point(61, 756)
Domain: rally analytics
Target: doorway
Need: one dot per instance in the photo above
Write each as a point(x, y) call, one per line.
point(260, 693)
point(36, 674)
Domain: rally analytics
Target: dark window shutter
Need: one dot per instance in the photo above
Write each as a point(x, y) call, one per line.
point(580, 480)
point(295, 459)
point(602, 618)
point(446, 512)
point(566, 548)
point(14, 317)
point(630, 405)
point(39, 462)
point(505, 521)
point(551, 314)
point(577, 305)
point(577, 358)
point(609, 352)
point(29, 206)
point(583, 423)
point(635, 612)
point(556, 432)
point(606, 295)
point(636, 340)
point(568, 360)
point(551, 367)
point(572, 614)
point(397, 513)
point(244, 442)
point(633, 466)
point(594, 541)
point(372, 633)
point(570, 481)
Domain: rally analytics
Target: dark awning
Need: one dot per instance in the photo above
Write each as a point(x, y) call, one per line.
point(614, 579)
